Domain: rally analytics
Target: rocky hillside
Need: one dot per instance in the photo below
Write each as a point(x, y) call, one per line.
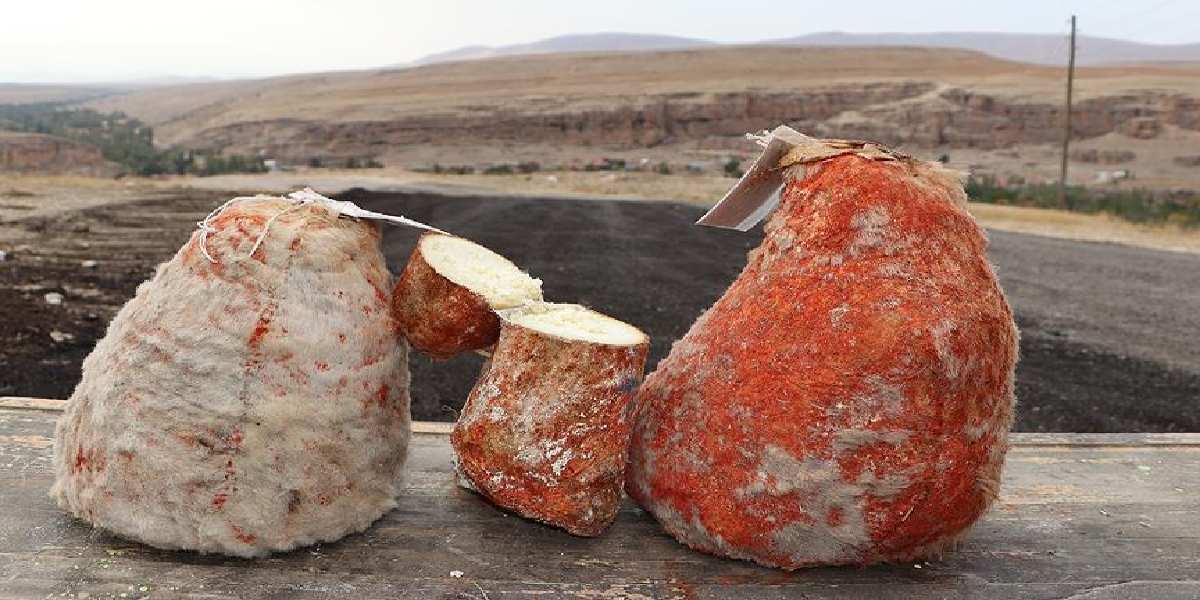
point(706, 98)
point(47, 154)
point(916, 114)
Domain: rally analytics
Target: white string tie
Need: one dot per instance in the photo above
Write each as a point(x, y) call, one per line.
point(298, 200)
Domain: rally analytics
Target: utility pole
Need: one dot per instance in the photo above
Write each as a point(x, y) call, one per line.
point(1066, 145)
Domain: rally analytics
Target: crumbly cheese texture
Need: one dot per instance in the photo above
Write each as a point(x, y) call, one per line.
point(575, 322)
point(501, 283)
point(247, 405)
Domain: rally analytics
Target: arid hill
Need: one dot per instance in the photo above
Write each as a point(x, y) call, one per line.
point(50, 155)
point(704, 98)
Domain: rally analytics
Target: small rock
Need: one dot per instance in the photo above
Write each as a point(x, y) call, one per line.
point(456, 574)
point(3, 256)
point(53, 298)
point(91, 317)
point(60, 337)
point(89, 264)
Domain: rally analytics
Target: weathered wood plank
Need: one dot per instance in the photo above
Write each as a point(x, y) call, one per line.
point(1018, 439)
point(1076, 520)
point(31, 403)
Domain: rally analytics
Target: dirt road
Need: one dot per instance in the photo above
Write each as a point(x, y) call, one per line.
point(1109, 332)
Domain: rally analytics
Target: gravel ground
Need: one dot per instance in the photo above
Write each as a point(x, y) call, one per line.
point(1109, 333)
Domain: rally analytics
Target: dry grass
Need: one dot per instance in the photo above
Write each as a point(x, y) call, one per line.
point(24, 196)
point(1090, 228)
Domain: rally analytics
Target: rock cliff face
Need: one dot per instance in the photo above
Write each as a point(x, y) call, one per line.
point(917, 114)
point(47, 154)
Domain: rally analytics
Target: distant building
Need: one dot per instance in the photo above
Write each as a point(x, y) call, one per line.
point(1113, 176)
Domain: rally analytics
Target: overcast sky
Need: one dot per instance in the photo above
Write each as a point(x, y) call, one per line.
point(112, 40)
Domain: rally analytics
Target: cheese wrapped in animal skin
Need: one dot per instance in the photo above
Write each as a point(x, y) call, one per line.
point(847, 400)
point(545, 431)
point(247, 405)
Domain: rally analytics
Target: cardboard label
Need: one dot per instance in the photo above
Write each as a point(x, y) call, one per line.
point(756, 194)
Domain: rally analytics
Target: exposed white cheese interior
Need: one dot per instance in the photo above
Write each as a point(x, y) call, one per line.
point(574, 322)
point(480, 270)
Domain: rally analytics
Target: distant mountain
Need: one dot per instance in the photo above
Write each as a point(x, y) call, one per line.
point(588, 42)
point(163, 80)
point(23, 93)
point(1037, 48)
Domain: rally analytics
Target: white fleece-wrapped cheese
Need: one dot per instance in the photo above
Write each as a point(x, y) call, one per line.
point(249, 403)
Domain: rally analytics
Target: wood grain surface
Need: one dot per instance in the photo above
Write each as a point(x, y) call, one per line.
point(1091, 517)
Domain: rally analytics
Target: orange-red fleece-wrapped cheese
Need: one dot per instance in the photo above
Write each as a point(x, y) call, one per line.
point(545, 431)
point(847, 401)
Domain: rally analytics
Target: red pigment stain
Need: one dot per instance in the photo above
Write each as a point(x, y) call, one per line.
point(321, 365)
point(245, 538)
point(260, 329)
point(125, 455)
point(81, 461)
point(382, 395)
point(835, 517)
point(218, 500)
point(341, 338)
point(295, 245)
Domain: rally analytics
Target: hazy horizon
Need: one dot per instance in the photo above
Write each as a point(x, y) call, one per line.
point(79, 42)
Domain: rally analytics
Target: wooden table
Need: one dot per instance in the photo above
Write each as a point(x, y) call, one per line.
point(1082, 516)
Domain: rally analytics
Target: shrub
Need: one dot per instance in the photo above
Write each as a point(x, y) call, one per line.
point(1134, 205)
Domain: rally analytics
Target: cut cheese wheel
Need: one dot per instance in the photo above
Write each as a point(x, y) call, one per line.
point(848, 399)
point(446, 298)
point(545, 431)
